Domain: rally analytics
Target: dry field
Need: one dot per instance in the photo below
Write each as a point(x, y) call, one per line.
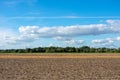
point(60, 67)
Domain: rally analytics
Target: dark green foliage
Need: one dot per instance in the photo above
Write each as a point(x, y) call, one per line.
point(83, 49)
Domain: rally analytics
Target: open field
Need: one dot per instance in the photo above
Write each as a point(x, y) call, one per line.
point(60, 67)
point(59, 55)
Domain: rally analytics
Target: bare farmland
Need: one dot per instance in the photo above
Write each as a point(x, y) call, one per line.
point(60, 68)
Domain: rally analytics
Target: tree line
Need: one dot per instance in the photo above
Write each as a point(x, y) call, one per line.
point(83, 49)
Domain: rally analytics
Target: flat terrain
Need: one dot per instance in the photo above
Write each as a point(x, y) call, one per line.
point(60, 67)
point(67, 55)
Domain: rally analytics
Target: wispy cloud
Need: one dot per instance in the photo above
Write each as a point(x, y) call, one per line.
point(69, 41)
point(53, 17)
point(74, 42)
point(17, 2)
point(65, 17)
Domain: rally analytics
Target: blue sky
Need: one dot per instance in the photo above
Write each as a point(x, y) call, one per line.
point(33, 23)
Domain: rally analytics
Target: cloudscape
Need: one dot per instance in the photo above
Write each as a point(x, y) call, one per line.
point(43, 23)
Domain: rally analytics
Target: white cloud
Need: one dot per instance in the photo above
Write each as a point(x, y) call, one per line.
point(16, 2)
point(3, 34)
point(103, 41)
point(66, 34)
point(8, 39)
point(43, 17)
point(64, 17)
point(19, 39)
point(50, 45)
point(112, 26)
point(68, 40)
point(106, 42)
point(59, 38)
point(74, 42)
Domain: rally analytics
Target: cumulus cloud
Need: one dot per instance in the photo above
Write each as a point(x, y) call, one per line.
point(103, 41)
point(106, 42)
point(65, 33)
point(9, 37)
point(112, 26)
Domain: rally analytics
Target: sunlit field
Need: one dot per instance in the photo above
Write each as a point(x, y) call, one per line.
point(59, 66)
point(59, 55)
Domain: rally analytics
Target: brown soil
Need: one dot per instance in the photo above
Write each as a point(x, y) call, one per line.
point(27, 56)
point(60, 69)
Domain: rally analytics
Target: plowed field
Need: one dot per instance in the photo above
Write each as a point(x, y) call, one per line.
point(60, 67)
